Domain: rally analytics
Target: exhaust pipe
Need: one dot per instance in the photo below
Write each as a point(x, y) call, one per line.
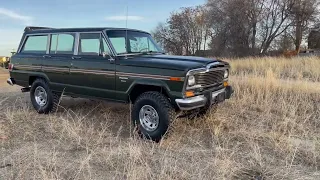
point(10, 81)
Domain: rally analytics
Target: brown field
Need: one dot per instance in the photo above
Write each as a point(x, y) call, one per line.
point(270, 129)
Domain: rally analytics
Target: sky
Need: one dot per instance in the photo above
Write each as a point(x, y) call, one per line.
point(15, 15)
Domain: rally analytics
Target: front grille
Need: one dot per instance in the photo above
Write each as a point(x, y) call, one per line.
point(210, 78)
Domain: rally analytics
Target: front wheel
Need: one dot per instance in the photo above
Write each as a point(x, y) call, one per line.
point(152, 114)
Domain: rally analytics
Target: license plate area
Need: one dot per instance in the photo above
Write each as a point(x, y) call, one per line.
point(218, 96)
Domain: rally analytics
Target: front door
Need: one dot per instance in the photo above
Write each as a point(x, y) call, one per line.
point(92, 73)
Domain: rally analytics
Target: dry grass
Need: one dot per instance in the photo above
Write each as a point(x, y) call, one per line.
point(306, 69)
point(269, 130)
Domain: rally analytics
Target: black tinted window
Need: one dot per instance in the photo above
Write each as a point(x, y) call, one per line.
point(35, 44)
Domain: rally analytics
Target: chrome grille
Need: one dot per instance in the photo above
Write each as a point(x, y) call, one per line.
point(210, 78)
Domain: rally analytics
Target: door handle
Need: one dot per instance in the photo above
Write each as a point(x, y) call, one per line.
point(46, 56)
point(76, 57)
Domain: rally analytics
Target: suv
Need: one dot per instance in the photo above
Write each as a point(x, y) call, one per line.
point(122, 65)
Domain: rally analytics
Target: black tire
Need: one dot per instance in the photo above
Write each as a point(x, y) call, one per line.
point(164, 110)
point(52, 97)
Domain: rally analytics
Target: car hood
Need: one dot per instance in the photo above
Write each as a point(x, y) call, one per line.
point(182, 63)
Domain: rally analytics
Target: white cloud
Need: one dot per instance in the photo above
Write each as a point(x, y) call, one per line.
point(123, 18)
point(13, 15)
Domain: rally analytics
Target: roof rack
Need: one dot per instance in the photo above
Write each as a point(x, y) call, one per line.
point(32, 28)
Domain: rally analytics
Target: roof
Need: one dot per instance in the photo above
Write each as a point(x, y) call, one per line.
point(32, 30)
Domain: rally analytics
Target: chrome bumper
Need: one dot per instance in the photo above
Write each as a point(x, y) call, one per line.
point(10, 81)
point(202, 100)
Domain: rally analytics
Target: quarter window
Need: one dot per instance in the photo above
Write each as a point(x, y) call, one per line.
point(92, 44)
point(36, 44)
point(62, 44)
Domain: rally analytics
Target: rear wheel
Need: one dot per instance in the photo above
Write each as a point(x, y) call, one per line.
point(152, 114)
point(42, 98)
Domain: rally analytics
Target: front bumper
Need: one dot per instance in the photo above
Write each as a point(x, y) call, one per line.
point(203, 100)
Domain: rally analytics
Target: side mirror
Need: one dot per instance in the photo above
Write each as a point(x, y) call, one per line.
point(109, 57)
point(105, 55)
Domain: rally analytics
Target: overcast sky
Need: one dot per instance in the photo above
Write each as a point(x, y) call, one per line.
point(142, 14)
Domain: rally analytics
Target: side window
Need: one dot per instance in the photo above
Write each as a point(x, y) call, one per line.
point(62, 44)
point(92, 44)
point(119, 44)
point(35, 44)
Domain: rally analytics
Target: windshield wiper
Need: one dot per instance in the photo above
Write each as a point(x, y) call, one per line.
point(150, 52)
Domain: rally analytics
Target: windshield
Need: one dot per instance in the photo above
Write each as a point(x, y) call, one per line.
point(138, 42)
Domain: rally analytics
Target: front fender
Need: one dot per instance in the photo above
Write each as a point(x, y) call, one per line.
point(150, 82)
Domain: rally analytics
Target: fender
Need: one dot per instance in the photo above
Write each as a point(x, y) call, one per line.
point(150, 82)
point(39, 74)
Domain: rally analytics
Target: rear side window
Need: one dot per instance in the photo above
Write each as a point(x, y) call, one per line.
point(62, 44)
point(35, 44)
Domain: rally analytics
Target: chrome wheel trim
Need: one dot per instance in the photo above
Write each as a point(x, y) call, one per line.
point(40, 96)
point(149, 118)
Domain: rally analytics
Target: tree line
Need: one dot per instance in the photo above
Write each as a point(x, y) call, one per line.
point(238, 27)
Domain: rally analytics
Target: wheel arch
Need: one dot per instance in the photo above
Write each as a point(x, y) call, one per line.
point(34, 76)
point(139, 87)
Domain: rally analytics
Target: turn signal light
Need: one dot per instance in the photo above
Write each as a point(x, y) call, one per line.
point(189, 93)
point(225, 84)
point(175, 79)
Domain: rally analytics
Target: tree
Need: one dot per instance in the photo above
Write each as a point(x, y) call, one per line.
point(275, 22)
point(303, 12)
point(185, 32)
point(230, 26)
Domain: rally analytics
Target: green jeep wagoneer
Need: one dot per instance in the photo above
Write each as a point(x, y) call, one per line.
point(122, 65)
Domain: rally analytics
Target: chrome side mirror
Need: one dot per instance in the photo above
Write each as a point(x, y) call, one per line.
point(109, 57)
point(105, 55)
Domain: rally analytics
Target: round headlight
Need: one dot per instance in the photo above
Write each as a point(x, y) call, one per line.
point(226, 74)
point(191, 81)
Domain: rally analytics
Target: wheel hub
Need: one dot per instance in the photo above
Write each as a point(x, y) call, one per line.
point(40, 96)
point(149, 118)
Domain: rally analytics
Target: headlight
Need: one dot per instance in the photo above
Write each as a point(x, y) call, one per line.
point(226, 74)
point(191, 81)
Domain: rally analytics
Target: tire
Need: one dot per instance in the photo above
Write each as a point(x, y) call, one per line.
point(52, 100)
point(152, 101)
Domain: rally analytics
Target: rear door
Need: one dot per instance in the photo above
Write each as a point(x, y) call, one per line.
point(57, 63)
point(93, 74)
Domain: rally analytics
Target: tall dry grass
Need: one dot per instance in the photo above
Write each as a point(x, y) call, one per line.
point(270, 129)
point(305, 69)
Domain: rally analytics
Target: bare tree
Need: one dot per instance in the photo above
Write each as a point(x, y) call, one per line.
point(303, 13)
point(185, 31)
point(275, 22)
point(231, 27)
point(254, 13)
point(238, 27)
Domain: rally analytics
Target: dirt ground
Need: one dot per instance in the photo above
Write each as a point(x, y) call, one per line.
point(4, 87)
